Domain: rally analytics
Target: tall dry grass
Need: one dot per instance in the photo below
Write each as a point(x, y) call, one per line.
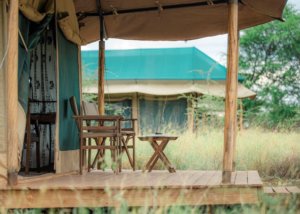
point(273, 154)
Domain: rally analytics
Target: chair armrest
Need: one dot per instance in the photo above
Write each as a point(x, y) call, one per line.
point(98, 117)
point(130, 119)
point(132, 122)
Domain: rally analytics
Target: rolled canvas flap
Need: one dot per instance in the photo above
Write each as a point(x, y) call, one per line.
point(36, 10)
point(68, 31)
point(68, 23)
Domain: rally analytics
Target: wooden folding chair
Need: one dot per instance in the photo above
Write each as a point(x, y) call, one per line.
point(127, 134)
point(128, 141)
point(97, 127)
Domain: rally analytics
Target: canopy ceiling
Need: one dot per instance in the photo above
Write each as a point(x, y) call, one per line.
point(169, 19)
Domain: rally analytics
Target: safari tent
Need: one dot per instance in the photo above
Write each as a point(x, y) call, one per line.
point(155, 85)
point(39, 34)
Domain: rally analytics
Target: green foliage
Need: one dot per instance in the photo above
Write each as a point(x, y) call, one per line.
point(270, 62)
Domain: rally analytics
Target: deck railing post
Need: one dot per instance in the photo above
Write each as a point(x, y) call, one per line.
point(12, 93)
point(231, 92)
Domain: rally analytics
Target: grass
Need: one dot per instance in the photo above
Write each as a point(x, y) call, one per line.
point(275, 155)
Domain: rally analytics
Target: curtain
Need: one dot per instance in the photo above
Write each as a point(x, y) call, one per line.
point(68, 86)
point(29, 37)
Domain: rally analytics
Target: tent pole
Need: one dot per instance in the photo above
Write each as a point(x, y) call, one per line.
point(101, 67)
point(231, 92)
point(101, 77)
point(191, 113)
point(101, 62)
point(12, 94)
point(241, 120)
point(135, 111)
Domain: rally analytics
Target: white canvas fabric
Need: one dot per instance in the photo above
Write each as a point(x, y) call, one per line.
point(171, 24)
point(169, 88)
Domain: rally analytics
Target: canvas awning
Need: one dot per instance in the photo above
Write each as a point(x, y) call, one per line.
point(168, 88)
point(170, 19)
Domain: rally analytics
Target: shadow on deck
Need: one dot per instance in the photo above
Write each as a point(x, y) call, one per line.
point(158, 188)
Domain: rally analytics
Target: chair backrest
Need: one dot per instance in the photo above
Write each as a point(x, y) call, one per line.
point(74, 108)
point(89, 108)
point(73, 104)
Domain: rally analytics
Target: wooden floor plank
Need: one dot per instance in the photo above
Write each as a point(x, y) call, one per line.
point(137, 179)
point(205, 178)
point(233, 177)
point(293, 189)
point(216, 179)
point(268, 190)
point(241, 178)
point(280, 190)
point(254, 179)
point(180, 179)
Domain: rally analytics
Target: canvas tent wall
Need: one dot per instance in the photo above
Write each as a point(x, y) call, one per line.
point(35, 18)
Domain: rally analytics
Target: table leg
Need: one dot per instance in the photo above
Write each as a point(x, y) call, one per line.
point(161, 155)
point(153, 158)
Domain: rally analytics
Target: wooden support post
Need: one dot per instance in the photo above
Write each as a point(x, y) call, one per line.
point(101, 67)
point(135, 111)
point(101, 80)
point(12, 93)
point(241, 115)
point(101, 61)
point(231, 92)
point(191, 114)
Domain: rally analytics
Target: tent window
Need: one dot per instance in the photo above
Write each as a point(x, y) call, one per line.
point(162, 115)
point(123, 108)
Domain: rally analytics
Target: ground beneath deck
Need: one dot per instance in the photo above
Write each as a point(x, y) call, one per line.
point(158, 188)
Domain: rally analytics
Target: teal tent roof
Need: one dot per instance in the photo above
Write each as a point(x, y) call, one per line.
point(154, 64)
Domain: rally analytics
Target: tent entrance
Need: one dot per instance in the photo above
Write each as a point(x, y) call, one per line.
point(41, 109)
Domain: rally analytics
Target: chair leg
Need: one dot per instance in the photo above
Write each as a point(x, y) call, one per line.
point(133, 152)
point(80, 157)
point(113, 153)
point(89, 154)
point(84, 155)
point(119, 153)
point(28, 144)
point(38, 165)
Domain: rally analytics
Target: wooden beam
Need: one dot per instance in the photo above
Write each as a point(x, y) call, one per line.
point(12, 93)
point(231, 92)
point(155, 8)
point(147, 197)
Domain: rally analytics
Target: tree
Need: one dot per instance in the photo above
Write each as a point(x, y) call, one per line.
point(270, 63)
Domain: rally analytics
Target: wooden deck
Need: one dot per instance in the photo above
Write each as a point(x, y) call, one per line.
point(158, 188)
point(282, 190)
